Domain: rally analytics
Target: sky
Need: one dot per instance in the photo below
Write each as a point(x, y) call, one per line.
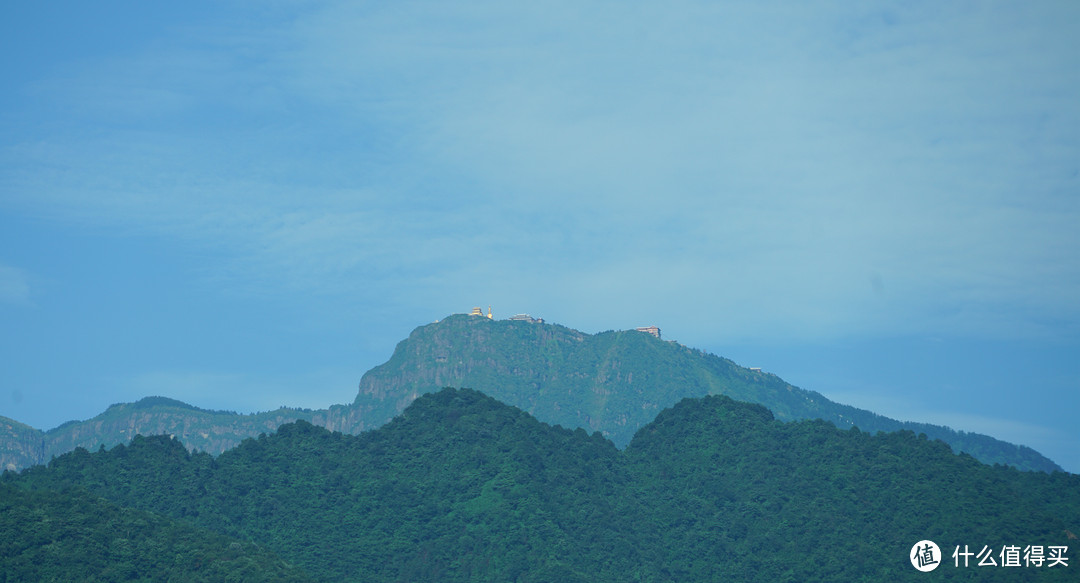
point(244, 205)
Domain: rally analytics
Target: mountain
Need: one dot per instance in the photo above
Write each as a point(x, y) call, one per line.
point(20, 445)
point(612, 382)
point(200, 429)
point(461, 487)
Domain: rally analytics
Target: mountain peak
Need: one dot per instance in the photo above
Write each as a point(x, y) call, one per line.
point(613, 382)
point(155, 401)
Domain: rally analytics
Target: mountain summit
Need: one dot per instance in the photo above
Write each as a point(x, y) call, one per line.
point(613, 382)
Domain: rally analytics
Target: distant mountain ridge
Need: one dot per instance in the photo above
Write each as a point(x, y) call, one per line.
point(613, 382)
point(200, 429)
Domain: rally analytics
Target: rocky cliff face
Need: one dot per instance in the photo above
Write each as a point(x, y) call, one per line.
point(20, 445)
point(612, 382)
point(560, 375)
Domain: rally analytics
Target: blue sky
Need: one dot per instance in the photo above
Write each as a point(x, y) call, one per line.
point(248, 204)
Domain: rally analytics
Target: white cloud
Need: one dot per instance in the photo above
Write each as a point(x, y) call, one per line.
point(764, 165)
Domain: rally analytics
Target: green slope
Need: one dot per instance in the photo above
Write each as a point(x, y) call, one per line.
point(71, 535)
point(464, 488)
point(806, 501)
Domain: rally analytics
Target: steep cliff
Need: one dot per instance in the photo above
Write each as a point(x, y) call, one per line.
point(20, 445)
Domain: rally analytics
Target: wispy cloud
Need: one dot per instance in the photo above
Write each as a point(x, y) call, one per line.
point(739, 173)
point(766, 166)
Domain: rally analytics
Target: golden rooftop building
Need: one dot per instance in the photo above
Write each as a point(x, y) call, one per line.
point(477, 311)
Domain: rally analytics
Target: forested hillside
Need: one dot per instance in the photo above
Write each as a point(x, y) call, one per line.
point(461, 487)
point(70, 535)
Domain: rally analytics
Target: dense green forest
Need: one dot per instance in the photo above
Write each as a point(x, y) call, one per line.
point(71, 535)
point(461, 487)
